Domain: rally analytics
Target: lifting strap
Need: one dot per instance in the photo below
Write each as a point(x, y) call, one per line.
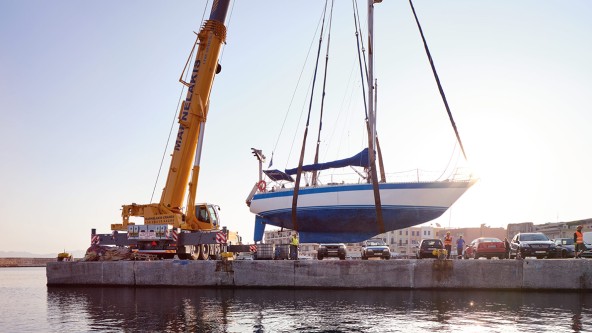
point(425, 44)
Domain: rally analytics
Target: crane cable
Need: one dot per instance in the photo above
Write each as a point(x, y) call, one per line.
point(425, 44)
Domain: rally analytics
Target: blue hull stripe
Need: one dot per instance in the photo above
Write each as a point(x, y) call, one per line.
point(360, 187)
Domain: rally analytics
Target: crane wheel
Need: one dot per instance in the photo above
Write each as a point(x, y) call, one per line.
point(193, 253)
point(204, 252)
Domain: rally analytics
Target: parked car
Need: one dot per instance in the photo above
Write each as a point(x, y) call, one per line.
point(336, 250)
point(587, 252)
point(427, 247)
point(485, 247)
point(375, 248)
point(532, 244)
point(566, 247)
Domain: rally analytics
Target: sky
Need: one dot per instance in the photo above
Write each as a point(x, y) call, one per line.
point(89, 90)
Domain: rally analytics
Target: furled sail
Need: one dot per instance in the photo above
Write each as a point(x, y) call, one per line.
point(360, 159)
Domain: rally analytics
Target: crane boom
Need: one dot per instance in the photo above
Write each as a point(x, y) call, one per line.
point(194, 110)
point(187, 148)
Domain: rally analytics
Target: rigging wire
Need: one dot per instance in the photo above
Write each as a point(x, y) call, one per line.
point(179, 101)
point(347, 96)
point(425, 44)
point(359, 27)
point(294, 93)
point(449, 162)
point(227, 29)
point(301, 161)
point(360, 62)
point(316, 159)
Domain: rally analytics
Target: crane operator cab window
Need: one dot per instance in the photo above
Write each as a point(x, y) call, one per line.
point(202, 214)
point(213, 216)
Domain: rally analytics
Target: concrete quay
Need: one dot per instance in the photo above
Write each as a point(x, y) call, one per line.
point(25, 262)
point(528, 274)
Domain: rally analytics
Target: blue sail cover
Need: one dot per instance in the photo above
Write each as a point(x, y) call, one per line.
point(360, 159)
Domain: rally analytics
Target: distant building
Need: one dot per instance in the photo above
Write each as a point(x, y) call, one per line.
point(514, 228)
point(552, 229)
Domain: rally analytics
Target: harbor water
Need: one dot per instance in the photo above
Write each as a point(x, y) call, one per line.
point(28, 305)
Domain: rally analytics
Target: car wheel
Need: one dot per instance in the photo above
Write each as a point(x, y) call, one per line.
point(341, 257)
point(476, 256)
point(387, 258)
point(320, 257)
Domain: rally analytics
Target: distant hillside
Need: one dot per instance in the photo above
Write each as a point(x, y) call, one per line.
point(19, 254)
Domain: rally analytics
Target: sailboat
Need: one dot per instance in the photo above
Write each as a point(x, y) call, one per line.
point(349, 212)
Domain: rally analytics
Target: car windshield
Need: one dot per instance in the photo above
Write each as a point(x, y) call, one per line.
point(374, 243)
point(567, 241)
point(429, 243)
point(533, 237)
point(490, 240)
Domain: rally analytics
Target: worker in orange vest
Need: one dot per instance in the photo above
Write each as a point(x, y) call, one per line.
point(448, 244)
point(579, 241)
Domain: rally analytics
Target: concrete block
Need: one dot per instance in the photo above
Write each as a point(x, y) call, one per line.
point(263, 273)
point(557, 274)
point(90, 273)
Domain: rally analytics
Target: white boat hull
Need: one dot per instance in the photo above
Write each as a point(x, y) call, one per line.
point(347, 213)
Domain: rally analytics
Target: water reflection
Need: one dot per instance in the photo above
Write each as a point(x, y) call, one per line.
point(263, 310)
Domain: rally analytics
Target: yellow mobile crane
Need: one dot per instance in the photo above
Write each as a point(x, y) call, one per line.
point(167, 229)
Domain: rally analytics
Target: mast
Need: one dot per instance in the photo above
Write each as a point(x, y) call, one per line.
point(372, 118)
point(371, 115)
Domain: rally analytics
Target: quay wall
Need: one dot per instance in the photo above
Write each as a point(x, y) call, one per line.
point(25, 262)
point(529, 274)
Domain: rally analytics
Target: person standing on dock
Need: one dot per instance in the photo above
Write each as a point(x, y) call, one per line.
point(294, 246)
point(460, 245)
point(448, 244)
point(579, 241)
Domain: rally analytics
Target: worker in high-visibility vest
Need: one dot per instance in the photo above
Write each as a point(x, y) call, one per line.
point(448, 244)
point(294, 246)
point(579, 241)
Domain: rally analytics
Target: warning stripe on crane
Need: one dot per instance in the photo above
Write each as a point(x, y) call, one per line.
point(221, 237)
point(253, 248)
point(95, 239)
point(175, 236)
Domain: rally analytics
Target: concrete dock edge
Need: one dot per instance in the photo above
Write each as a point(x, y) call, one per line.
point(529, 274)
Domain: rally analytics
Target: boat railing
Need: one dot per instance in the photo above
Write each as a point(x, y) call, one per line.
point(408, 176)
